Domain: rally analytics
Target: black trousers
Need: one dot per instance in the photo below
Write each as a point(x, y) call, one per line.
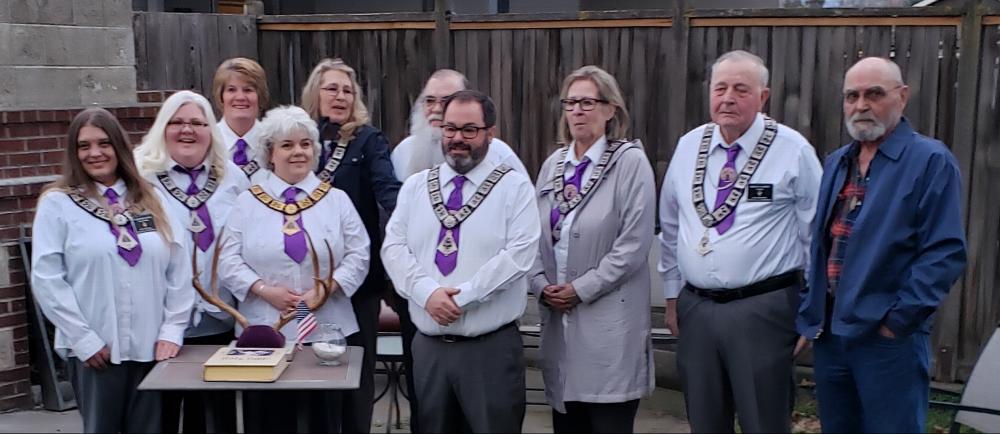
point(589, 417)
point(358, 404)
point(407, 331)
point(280, 411)
point(223, 409)
point(109, 399)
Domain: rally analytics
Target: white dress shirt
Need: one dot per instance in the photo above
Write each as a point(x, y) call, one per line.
point(253, 248)
point(766, 238)
point(229, 137)
point(93, 297)
point(219, 205)
point(561, 248)
point(496, 248)
point(499, 153)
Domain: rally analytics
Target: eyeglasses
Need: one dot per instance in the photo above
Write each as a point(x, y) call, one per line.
point(178, 124)
point(873, 94)
point(586, 104)
point(431, 101)
point(333, 90)
point(468, 131)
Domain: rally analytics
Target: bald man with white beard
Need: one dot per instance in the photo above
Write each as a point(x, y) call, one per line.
point(422, 148)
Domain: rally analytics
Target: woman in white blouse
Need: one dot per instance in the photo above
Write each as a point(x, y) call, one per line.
point(239, 90)
point(185, 159)
point(265, 252)
point(110, 271)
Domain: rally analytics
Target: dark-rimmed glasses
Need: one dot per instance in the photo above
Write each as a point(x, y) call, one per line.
point(468, 131)
point(586, 104)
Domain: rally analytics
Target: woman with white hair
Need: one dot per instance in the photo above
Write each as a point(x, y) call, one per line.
point(355, 159)
point(183, 156)
point(266, 246)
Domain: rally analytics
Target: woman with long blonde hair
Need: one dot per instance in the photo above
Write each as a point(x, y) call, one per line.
point(354, 156)
point(110, 272)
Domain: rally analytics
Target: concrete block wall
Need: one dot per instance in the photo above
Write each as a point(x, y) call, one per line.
point(66, 53)
point(32, 148)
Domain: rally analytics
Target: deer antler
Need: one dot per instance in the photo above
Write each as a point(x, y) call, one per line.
point(213, 297)
point(323, 287)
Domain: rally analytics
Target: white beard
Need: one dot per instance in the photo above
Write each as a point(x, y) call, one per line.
point(427, 144)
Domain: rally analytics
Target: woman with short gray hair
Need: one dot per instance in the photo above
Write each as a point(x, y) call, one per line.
point(265, 250)
point(597, 205)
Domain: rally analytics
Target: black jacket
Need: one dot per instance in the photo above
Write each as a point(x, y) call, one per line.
point(366, 175)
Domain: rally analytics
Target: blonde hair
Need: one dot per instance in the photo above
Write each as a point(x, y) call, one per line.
point(279, 123)
point(141, 195)
point(250, 70)
point(607, 88)
point(310, 96)
point(152, 155)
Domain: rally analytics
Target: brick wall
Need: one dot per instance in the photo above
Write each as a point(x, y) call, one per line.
point(32, 144)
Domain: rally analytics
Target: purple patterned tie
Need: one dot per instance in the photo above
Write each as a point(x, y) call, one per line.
point(240, 156)
point(130, 256)
point(576, 181)
point(204, 238)
point(727, 178)
point(295, 244)
point(446, 263)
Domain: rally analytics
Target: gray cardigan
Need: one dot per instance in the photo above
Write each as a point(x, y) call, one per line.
point(603, 353)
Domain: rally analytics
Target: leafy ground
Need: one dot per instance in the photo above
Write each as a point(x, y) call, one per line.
point(805, 418)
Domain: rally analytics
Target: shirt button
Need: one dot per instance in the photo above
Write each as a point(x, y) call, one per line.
point(576, 235)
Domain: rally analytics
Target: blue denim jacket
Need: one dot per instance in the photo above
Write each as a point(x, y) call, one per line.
point(907, 246)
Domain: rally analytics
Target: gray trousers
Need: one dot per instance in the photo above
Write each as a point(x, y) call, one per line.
point(737, 356)
point(470, 386)
point(108, 399)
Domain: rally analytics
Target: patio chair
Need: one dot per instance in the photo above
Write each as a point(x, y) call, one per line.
point(979, 407)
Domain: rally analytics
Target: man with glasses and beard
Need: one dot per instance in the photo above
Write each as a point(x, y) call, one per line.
point(420, 150)
point(887, 245)
point(464, 271)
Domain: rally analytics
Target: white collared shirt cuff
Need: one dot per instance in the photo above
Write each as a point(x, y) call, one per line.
point(465, 295)
point(89, 345)
point(422, 290)
point(672, 288)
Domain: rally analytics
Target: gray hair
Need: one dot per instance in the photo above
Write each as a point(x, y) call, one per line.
point(740, 55)
point(280, 122)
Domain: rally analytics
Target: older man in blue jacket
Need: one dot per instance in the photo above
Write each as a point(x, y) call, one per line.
point(887, 246)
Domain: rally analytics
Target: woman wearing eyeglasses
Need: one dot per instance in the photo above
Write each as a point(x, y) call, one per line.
point(184, 157)
point(109, 270)
point(597, 206)
point(354, 156)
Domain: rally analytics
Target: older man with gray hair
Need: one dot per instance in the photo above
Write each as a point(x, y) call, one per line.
point(736, 204)
point(422, 148)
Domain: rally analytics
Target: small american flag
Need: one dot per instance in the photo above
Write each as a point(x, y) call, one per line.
point(307, 321)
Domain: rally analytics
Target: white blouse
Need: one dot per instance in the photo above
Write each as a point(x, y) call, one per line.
point(93, 297)
point(219, 205)
point(229, 137)
point(253, 247)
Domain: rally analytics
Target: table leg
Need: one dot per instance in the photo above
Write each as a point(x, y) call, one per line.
point(239, 412)
point(209, 407)
point(302, 411)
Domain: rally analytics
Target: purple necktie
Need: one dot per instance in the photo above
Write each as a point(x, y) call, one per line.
point(240, 156)
point(204, 238)
point(130, 256)
point(576, 181)
point(446, 263)
point(295, 244)
point(727, 178)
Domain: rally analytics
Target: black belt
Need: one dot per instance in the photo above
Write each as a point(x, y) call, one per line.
point(772, 283)
point(459, 338)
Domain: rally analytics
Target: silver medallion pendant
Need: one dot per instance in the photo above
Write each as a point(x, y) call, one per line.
point(703, 247)
point(450, 221)
point(120, 219)
point(125, 240)
point(192, 202)
point(197, 225)
point(570, 191)
point(447, 245)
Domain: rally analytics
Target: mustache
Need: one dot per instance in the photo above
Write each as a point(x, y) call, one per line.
point(863, 117)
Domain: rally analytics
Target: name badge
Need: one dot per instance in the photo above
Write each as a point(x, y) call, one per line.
point(144, 223)
point(760, 193)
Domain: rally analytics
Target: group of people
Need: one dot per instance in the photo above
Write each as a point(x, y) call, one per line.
point(789, 252)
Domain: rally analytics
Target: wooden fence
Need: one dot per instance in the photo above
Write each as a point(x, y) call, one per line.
point(662, 60)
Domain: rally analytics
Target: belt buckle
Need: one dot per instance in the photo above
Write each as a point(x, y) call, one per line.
point(448, 339)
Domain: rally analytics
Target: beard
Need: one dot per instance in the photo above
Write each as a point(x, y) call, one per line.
point(862, 133)
point(476, 154)
point(427, 140)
